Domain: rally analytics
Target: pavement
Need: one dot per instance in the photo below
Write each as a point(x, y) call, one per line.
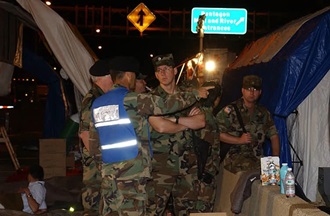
point(26, 150)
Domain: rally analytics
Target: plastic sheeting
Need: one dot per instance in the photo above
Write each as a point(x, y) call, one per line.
point(67, 48)
point(309, 134)
point(288, 78)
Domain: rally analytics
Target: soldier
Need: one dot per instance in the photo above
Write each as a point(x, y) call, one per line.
point(140, 86)
point(208, 147)
point(246, 148)
point(102, 83)
point(174, 163)
point(120, 119)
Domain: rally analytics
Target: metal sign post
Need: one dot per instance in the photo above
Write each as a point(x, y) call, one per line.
point(200, 30)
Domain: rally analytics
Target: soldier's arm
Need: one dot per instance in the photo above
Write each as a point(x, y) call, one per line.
point(195, 120)
point(85, 119)
point(244, 139)
point(225, 123)
point(163, 125)
point(149, 104)
point(275, 141)
point(272, 133)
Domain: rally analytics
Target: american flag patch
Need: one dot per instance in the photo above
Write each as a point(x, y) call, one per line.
point(227, 110)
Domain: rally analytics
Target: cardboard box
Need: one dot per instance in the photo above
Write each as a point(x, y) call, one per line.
point(52, 146)
point(52, 160)
point(52, 157)
point(209, 214)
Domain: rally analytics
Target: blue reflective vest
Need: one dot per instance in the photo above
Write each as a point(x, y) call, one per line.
point(117, 135)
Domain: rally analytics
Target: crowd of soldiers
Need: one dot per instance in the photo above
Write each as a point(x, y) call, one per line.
point(146, 151)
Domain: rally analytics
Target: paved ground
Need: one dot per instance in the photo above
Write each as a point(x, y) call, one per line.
point(25, 147)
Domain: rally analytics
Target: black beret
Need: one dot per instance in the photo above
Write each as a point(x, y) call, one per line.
point(125, 64)
point(100, 68)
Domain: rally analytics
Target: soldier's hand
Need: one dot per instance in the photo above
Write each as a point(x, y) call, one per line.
point(203, 91)
point(194, 111)
point(245, 138)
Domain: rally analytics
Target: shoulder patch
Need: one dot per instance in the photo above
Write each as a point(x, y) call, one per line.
point(227, 109)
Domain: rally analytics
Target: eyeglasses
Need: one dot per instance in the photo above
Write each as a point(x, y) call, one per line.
point(164, 69)
point(252, 89)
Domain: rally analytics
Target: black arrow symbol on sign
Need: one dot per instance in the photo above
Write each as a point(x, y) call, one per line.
point(140, 20)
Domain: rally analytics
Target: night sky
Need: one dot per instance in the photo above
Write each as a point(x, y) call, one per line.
point(184, 47)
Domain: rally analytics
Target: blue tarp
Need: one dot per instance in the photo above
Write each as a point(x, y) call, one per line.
point(54, 118)
point(289, 77)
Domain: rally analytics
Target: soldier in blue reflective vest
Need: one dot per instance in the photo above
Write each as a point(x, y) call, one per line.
point(120, 117)
point(90, 193)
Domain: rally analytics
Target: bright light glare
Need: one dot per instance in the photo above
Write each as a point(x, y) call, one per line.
point(71, 209)
point(98, 30)
point(210, 66)
point(99, 47)
point(189, 64)
point(48, 3)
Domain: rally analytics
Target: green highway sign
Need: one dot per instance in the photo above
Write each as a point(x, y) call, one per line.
point(220, 20)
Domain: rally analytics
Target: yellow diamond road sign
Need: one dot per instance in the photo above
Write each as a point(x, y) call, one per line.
point(141, 17)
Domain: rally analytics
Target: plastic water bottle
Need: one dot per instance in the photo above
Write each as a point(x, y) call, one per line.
point(283, 172)
point(290, 184)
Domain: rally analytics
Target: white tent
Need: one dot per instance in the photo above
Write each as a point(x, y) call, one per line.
point(309, 134)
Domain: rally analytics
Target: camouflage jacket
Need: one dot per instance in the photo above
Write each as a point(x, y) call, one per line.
point(162, 142)
point(86, 123)
point(260, 125)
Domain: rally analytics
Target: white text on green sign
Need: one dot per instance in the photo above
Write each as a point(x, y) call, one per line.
point(220, 20)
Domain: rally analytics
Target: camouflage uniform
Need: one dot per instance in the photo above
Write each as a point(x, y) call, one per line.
point(207, 191)
point(123, 184)
point(174, 169)
point(91, 173)
point(260, 125)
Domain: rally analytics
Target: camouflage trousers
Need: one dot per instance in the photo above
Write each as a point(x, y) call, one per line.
point(241, 162)
point(123, 187)
point(207, 189)
point(124, 197)
point(179, 180)
point(206, 197)
point(91, 194)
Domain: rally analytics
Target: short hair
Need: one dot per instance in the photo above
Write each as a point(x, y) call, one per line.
point(116, 75)
point(37, 172)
